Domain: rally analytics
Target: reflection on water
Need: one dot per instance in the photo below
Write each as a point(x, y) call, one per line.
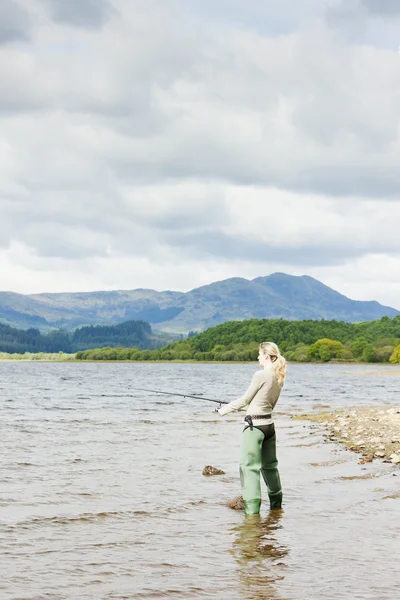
point(259, 555)
point(102, 495)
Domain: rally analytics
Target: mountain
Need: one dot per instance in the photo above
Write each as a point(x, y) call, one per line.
point(275, 296)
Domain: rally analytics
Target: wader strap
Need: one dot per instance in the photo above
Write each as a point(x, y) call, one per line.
point(249, 420)
point(261, 416)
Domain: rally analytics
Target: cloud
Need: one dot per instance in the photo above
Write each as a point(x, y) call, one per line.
point(171, 223)
point(270, 225)
point(90, 14)
point(368, 22)
point(14, 22)
point(186, 137)
point(364, 8)
point(187, 108)
point(274, 17)
point(384, 8)
point(369, 277)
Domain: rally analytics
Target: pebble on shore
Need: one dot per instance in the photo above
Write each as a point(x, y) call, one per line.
point(374, 433)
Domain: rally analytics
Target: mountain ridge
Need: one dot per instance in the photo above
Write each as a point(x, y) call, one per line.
point(279, 295)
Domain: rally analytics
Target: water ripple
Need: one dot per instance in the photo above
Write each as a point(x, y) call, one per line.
point(102, 493)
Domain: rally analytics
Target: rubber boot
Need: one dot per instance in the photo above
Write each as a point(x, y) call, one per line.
point(270, 473)
point(250, 467)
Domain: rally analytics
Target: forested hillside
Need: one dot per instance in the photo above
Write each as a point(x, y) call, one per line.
point(130, 333)
point(300, 341)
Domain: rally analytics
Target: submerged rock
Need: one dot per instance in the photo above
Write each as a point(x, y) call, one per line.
point(236, 503)
point(366, 459)
point(208, 471)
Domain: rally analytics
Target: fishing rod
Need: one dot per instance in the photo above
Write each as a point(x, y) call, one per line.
point(182, 395)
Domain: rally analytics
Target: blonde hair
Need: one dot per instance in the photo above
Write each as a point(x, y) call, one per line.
point(278, 362)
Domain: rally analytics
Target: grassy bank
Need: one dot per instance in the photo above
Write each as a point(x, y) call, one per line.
point(389, 368)
point(38, 356)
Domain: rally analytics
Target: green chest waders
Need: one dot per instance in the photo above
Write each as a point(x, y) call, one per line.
point(258, 455)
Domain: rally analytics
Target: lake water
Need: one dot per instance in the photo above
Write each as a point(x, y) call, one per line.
point(102, 494)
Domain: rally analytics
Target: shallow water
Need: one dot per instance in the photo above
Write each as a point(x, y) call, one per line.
point(102, 494)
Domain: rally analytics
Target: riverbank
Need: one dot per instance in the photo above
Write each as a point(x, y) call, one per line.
point(386, 368)
point(374, 433)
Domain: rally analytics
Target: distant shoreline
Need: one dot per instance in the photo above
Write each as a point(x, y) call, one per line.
point(384, 367)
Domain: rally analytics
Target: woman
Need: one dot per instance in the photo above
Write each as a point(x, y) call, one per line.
point(258, 447)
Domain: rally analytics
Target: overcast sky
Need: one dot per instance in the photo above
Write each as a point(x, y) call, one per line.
point(172, 143)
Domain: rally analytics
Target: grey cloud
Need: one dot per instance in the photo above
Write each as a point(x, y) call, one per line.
point(177, 107)
point(272, 17)
point(14, 22)
point(372, 22)
point(208, 213)
point(90, 14)
point(61, 243)
point(120, 74)
point(382, 7)
point(362, 8)
point(97, 223)
point(218, 244)
point(77, 223)
point(341, 180)
point(329, 173)
point(149, 102)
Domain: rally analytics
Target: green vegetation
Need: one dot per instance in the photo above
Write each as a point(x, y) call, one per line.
point(395, 357)
point(300, 341)
point(130, 333)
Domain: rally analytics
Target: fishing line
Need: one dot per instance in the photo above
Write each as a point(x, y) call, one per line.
point(181, 395)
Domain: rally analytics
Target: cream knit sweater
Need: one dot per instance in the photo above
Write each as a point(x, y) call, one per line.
point(260, 398)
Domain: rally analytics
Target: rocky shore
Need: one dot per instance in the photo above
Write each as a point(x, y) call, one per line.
point(372, 432)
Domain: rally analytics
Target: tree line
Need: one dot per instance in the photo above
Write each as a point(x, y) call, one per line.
point(129, 333)
point(299, 341)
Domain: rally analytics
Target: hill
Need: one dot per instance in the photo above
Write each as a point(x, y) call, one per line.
point(300, 341)
point(277, 296)
point(131, 334)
